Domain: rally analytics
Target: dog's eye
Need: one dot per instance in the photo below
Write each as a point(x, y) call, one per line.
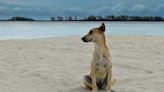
point(91, 32)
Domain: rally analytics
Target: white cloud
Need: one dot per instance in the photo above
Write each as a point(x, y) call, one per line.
point(101, 9)
point(4, 9)
point(17, 8)
point(74, 9)
point(158, 8)
point(118, 7)
point(114, 9)
point(9, 1)
point(138, 8)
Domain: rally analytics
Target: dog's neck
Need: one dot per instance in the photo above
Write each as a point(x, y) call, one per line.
point(101, 43)
point(101, 47)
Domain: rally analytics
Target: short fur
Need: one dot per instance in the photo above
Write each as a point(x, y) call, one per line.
point(100, 76)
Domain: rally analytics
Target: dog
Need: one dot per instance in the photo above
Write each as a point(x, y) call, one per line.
point(100, 76)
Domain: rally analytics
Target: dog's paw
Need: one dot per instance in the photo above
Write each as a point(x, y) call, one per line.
point(94, 90)
point(111, 91)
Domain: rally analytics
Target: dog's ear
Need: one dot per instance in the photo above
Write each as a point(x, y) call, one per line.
point(102, 27)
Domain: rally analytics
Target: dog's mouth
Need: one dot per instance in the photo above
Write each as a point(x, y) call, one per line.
point(90, 40)
point(84, 40)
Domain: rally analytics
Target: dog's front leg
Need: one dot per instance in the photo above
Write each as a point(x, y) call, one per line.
point(93, 76)
point(109, 80)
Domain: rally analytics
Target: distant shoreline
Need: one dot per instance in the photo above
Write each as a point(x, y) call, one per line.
point(90, 18)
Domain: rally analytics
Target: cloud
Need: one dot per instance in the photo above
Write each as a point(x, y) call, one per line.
point(99, 10)
point(73, 9)
point(6, 8)
point(138, 8)
point(76, 9)
point(2, 8)
point(158, 8)
point(103, 8)
point(15, 9)
point(9, 10)
point(118, 7)
point(9, 1)
point(34, 9)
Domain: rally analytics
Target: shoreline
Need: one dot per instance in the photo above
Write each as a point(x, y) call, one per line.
point(65, 36)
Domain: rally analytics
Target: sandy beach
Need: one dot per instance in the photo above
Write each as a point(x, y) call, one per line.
point(58, 64)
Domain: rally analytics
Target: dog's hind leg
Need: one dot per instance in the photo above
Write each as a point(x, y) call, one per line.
point(104, 84)
point(87, 81)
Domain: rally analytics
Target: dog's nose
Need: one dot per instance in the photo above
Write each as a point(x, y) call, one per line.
point(83, 39)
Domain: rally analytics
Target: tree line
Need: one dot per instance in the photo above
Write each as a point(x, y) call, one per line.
point(109, 18)
point(94, 18)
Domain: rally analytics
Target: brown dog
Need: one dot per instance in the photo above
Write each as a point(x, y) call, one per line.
point(100, 76)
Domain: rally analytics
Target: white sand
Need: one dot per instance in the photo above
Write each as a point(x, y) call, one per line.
point(58, 64)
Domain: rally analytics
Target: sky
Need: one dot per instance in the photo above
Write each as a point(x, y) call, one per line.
point(44, 9)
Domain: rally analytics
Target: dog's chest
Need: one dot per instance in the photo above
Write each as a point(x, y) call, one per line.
point(101, 67)
point(101, 62)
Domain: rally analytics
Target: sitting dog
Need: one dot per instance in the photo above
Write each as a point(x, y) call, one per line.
point(100, 76)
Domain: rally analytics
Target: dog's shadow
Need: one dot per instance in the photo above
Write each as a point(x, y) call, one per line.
point(84, 89)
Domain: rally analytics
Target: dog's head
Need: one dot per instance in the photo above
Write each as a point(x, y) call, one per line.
point(94, 34)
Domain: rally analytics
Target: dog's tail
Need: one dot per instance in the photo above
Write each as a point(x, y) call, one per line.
point(114, 81)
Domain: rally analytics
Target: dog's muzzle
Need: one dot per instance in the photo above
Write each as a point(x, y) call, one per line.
point(83, 39)
point(86, 40)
